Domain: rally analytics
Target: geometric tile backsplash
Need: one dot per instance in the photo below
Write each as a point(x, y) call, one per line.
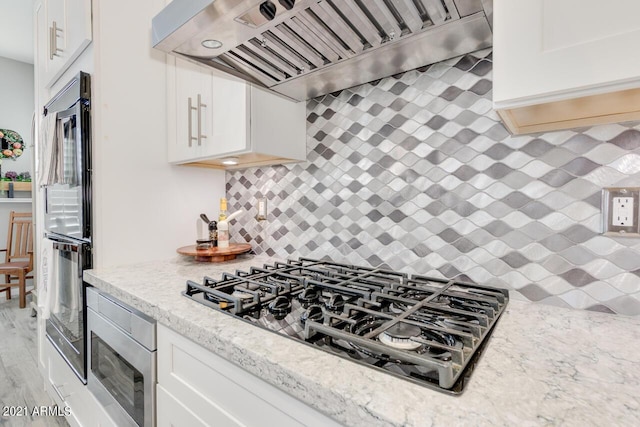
point(415, 172)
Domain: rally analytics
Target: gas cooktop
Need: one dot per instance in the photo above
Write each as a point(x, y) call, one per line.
point(426, 330)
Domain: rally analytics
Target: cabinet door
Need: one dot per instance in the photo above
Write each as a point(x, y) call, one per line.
point(230, 112)
point(68, 392)
point(172, 413)
point(219, 392)
point(41, 55)
point(56, 31)
point(192, 103)
point(68, 32)
point(547, 50)
point(278, 125)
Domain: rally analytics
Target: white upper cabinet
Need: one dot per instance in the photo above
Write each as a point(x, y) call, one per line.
point(566, 63)
point(190, 108)
point(63, 31)
point(213, 117)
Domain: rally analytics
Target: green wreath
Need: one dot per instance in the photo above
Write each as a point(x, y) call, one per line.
point(12, 144)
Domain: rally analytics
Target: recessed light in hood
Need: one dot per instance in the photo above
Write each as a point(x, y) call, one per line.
point(212, 44)
point(307, 48)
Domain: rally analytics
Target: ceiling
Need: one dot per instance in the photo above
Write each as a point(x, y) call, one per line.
point(16, 31)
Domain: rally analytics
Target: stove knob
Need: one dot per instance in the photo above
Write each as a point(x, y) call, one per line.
point(308, 296)
point(335, 303)
point(313, 313)
point(280, 307)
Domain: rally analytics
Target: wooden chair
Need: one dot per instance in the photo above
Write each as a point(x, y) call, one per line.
point(18, 255)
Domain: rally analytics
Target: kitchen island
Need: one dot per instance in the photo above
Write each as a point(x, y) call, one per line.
point(543, 365)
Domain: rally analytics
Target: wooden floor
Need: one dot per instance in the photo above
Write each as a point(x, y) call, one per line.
point(21, 384)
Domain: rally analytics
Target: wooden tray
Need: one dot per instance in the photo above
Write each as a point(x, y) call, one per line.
point(215, 254)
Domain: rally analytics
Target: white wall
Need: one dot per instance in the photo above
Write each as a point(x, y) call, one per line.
point(16, 111)
point(144, 208)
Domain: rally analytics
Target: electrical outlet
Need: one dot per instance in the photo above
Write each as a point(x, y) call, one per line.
point(620, 207)
point(622, 211)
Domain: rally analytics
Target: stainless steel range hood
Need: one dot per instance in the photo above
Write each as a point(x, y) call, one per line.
point(306, 48)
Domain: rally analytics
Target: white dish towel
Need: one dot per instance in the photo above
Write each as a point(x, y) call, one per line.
point(48, 285)
point(50, 150)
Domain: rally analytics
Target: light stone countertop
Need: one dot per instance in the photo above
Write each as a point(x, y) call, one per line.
point(543, 365)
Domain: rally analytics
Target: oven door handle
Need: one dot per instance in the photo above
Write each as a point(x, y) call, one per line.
point(69, 247)
point(78, 248)
point(63, 244)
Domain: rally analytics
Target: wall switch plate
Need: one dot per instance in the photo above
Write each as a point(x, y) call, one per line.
point(262, 209)
point(620, 211)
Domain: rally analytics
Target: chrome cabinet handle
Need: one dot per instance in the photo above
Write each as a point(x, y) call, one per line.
point(190, 120)
point(51, 43)
point(200, 106)
point(53, 40)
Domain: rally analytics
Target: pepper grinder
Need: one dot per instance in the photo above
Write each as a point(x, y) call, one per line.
point(213, 233)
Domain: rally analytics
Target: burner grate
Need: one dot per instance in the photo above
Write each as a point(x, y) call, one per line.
point(427, 330)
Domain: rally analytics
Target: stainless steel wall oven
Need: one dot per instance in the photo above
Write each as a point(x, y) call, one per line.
point(66, 170)
point(68, 184)
point(66, 325)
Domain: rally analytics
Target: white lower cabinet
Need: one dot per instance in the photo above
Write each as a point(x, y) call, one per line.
point(67, 391)
point(172, 413)
point(41, 336)
point(199, 388)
